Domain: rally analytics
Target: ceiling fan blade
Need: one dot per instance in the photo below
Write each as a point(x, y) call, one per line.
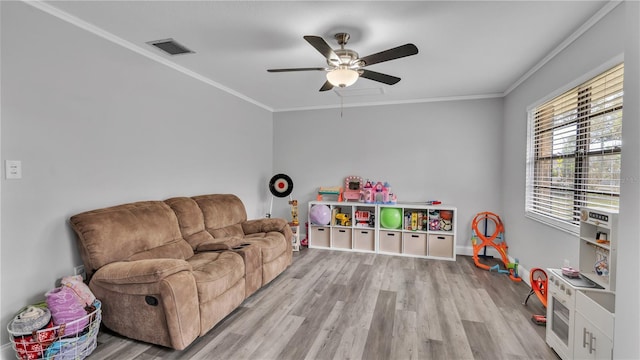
point(391, 54)
point(380, 77)
point(319, 44)
point(297, 69)
point(326, 86)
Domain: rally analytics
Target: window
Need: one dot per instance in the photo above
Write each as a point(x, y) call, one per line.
point(574, 151)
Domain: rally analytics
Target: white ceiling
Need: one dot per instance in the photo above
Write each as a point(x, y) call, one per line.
point(466, 49)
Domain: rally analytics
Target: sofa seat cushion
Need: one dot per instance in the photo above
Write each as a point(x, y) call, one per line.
point(273, 244)
point(215, 273)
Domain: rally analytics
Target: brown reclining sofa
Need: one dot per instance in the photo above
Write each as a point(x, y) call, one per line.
point(169, 271)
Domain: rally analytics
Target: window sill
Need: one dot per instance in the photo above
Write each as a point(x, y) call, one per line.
point(546, 220)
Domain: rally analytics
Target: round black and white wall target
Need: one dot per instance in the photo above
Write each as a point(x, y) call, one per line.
point(280, 185)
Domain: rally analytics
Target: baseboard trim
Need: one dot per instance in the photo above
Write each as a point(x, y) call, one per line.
point(6, 352)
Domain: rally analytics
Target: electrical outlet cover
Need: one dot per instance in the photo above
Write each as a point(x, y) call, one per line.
point(13, 169)
point(78, 270)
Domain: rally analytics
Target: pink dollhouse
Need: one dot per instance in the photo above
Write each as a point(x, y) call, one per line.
point(379, 193)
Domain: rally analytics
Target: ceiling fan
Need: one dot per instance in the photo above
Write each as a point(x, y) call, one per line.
point(345, 66)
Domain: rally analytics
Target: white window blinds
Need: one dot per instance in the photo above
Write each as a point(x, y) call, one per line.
point(574, 151)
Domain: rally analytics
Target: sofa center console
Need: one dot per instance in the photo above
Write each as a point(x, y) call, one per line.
point(252, 257)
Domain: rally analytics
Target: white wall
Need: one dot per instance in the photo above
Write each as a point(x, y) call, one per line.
point(627, 332)
point(95, 125)
point(447, 151)
point(539, 245)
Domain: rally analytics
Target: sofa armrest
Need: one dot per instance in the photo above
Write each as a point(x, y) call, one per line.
point(267, 225)
point(145, 271)
point(153, 300)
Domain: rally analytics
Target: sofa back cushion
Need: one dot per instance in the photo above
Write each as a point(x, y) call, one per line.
point(223, 214)
point(141, 230)
point(188, 214)
point(191, 221)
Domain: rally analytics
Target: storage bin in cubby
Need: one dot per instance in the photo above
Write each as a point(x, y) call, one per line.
point(391, 241)
point(364, 239)
point(341, 238)
point(415, 243)
point(319, 236)
point(440, 245)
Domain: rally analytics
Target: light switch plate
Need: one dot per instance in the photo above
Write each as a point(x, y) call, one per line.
point(13, 169)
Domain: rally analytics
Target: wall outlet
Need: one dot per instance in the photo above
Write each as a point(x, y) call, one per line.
point(13, 169)
point(567, 263)
point(79, 270)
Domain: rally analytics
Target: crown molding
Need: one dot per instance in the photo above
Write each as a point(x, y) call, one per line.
point(398, 102)
point(606, 9)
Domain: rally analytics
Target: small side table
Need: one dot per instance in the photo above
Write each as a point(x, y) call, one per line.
point(296, 236)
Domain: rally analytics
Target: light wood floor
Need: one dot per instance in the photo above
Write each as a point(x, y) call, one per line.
point(344, 305)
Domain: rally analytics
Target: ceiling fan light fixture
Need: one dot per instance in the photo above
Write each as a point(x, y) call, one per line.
point(345, 66)
point(342, 76)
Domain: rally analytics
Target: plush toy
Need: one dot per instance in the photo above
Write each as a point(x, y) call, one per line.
point(29, 331)
point(445, 225)
point(434, 224)
point(80, 288)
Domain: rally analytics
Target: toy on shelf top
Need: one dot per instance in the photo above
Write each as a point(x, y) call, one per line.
point(378, 193)
point(352, 188)
point(329, 190)
point(356, 189)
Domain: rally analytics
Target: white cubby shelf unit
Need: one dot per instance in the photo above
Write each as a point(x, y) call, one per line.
point(425, 231)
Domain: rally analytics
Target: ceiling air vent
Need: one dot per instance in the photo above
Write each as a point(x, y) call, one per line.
point(170, 46)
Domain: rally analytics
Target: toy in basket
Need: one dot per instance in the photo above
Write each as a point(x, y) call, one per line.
point(52, 342)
